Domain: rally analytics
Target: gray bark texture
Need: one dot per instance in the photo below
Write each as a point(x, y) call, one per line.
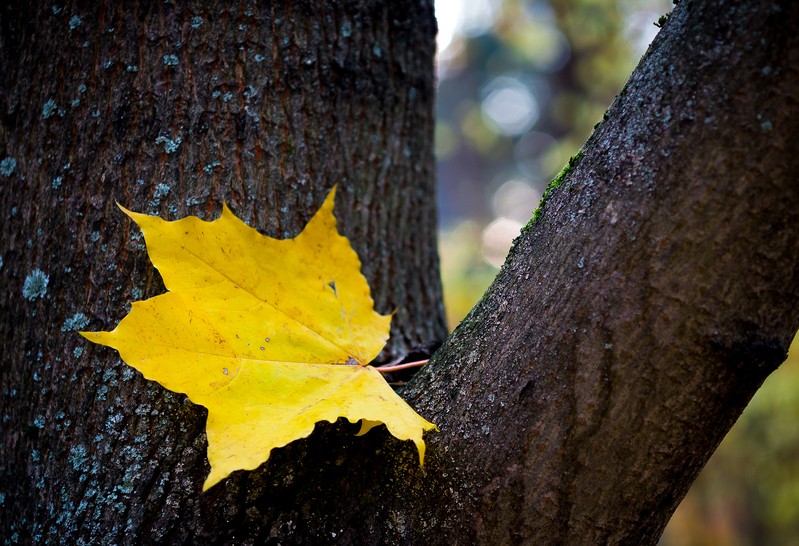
point(654, 291)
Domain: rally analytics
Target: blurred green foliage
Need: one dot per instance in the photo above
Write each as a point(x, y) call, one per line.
point(521, 85)
point(748, 494)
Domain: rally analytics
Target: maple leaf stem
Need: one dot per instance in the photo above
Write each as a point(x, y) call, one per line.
point(388, 368)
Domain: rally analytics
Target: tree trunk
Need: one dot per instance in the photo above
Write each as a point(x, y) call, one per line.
point(171, 110)
point(634, 319)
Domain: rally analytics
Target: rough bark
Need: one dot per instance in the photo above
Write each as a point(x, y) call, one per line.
point(636, 317)
point(631, 324)
point(172, 109)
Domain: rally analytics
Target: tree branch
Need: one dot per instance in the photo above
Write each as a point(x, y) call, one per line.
point(634, 320)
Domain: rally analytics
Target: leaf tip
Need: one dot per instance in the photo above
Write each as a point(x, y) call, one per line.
point(330, 200)
point(420, 445)
point(88, 335)
point(94, 337)
point(135, 216)
point(123, 209)
point(211, 481)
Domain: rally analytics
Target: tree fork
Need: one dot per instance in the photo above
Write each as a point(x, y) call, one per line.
point(631, 324)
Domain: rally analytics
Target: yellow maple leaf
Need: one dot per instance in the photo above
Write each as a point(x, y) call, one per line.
point(270, 335)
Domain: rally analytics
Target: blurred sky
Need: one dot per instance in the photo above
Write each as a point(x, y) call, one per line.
point(521, 84)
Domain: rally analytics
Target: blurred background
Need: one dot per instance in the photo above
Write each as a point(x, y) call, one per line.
point(521, 85)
